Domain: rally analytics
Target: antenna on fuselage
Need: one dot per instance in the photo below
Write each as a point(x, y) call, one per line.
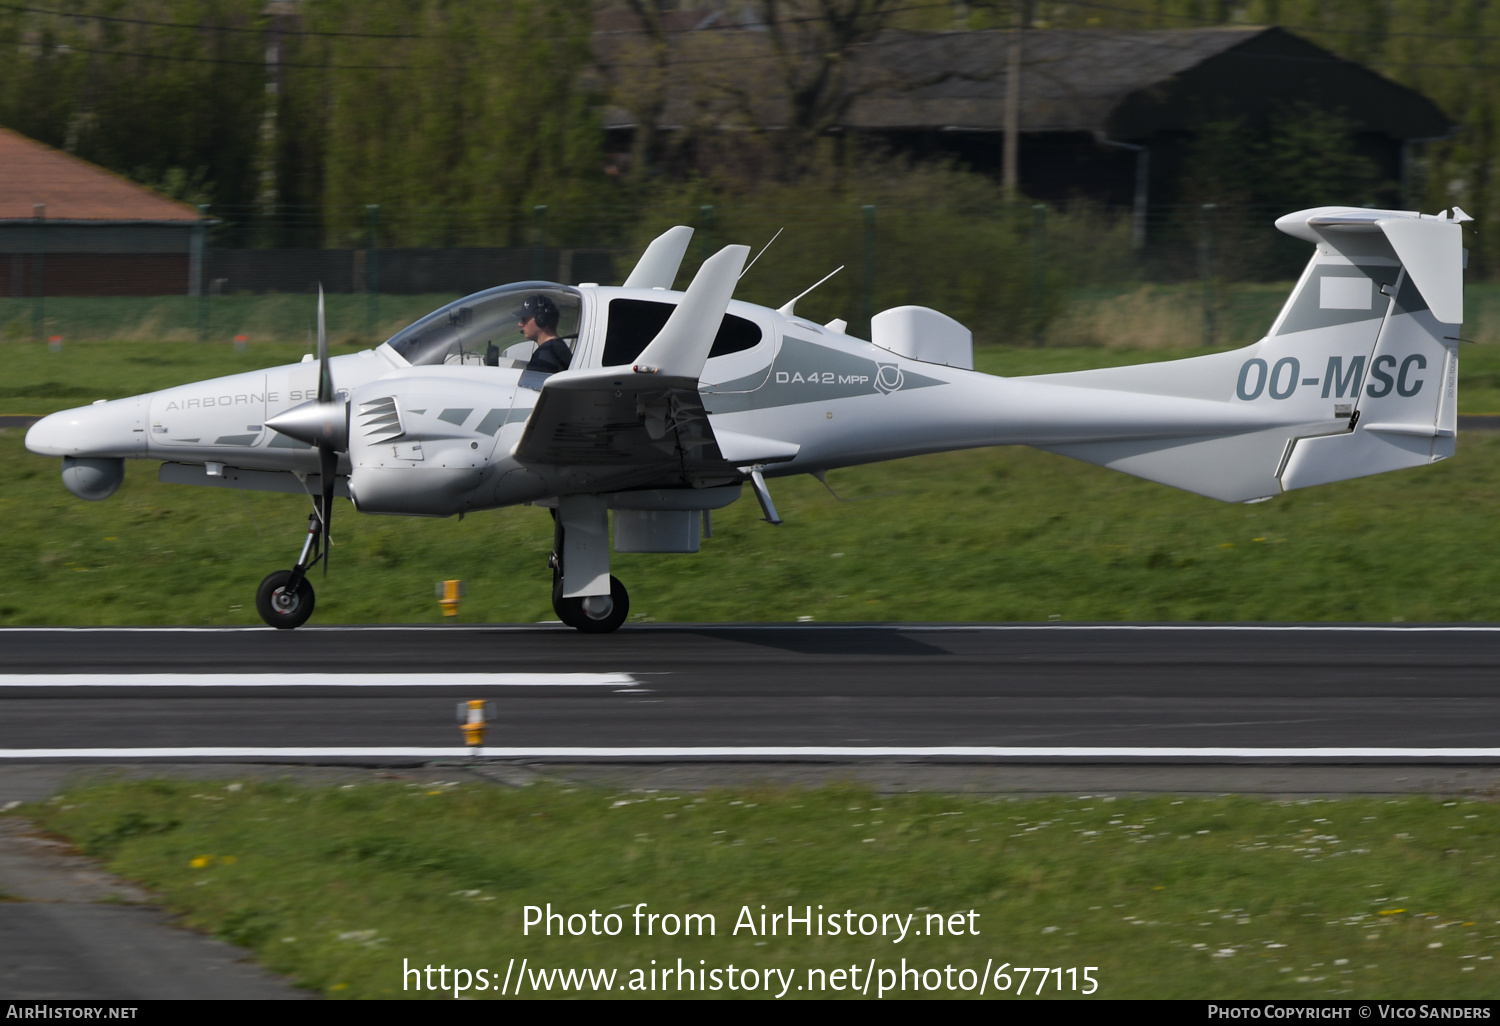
point(786, 311)
point(762, 250)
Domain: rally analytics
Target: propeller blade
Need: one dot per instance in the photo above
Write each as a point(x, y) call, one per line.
point(325, 376)
point(328, 458)
point(328, 466)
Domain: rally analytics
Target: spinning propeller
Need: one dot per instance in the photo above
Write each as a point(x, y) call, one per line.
point(323, 423)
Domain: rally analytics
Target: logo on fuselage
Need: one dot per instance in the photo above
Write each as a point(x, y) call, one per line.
point(889, 378)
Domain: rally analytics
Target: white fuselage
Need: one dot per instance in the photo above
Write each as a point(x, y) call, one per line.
point(837, 400)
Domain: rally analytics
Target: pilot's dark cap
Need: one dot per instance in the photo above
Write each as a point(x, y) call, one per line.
point(540, 307)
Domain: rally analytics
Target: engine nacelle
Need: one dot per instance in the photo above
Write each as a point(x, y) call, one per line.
point(92, 478)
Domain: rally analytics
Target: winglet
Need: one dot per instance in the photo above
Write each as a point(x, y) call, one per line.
point(681, 348)
point(657, 267)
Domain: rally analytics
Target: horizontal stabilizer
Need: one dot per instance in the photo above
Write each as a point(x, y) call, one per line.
point(1430, 247)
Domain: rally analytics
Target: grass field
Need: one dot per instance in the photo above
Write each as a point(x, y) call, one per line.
point(1168, 897)
point(284, 318)
point(996, 534)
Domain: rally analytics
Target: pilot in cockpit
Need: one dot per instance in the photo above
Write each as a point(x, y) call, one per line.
point(538, 322)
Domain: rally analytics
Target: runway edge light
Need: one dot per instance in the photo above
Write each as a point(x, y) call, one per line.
point(448, 595)
point(473, 716)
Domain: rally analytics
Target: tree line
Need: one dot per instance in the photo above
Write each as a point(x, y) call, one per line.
point(458, 119)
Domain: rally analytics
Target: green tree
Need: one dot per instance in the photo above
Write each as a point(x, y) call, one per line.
point(158, 86)
point(456, 131)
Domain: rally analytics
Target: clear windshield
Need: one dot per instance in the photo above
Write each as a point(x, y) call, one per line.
point(464, 331)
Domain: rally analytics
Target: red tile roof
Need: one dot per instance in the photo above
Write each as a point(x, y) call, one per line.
point(73, 189)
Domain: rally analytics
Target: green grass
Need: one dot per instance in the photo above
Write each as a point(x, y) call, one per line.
point(283, 318)
point(997, 534)
point(1169, 897)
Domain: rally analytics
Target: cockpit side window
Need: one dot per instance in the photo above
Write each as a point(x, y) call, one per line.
point(463, 332)
point(735, 335)
point(633, 323)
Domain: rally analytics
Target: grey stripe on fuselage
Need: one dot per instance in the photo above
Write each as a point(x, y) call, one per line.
point(280, 441)
point(806, 372)
point(497, 418)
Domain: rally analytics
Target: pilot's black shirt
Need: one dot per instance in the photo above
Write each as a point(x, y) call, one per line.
point(551, 356)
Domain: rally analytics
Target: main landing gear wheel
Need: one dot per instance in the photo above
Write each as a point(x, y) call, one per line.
point(564, 612)
point(594, 615)
point(284, 607)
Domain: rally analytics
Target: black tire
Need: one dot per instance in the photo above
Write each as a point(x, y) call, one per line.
point(280, 609)
point(571, 612)
point(562, 607)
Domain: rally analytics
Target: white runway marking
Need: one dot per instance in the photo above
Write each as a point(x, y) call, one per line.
point(753, 752)
point(316, 680)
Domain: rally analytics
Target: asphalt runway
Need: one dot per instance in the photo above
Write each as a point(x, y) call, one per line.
point(1068, 693)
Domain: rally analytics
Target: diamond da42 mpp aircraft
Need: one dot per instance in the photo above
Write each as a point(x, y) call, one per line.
point(674, 401)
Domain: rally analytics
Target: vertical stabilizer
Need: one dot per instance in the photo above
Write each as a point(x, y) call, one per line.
point(1357, 375)
point(1405, 409)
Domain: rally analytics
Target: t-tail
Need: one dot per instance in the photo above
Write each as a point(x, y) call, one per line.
point(1359, 372)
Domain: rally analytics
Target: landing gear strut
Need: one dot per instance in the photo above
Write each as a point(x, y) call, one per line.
point(285, 598)
point(593, 614)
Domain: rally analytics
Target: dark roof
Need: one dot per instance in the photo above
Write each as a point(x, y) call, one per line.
point(1071, 80)
point(73, 189)
point(1124, 85)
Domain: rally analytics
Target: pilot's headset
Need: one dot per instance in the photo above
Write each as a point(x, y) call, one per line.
point(540, 307)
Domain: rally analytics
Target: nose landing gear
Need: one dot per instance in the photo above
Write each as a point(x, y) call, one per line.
point(285, 598)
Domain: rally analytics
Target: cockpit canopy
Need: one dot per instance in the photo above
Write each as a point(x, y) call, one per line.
point(463, 331)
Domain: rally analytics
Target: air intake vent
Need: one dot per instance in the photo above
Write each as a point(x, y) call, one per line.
point(381, 420)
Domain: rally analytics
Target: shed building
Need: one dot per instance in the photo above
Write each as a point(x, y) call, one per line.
point(71, 228)
point(1109, 115)
point(1104, 115)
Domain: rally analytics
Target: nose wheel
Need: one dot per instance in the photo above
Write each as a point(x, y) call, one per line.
point(282, 602)
point(285, 598)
